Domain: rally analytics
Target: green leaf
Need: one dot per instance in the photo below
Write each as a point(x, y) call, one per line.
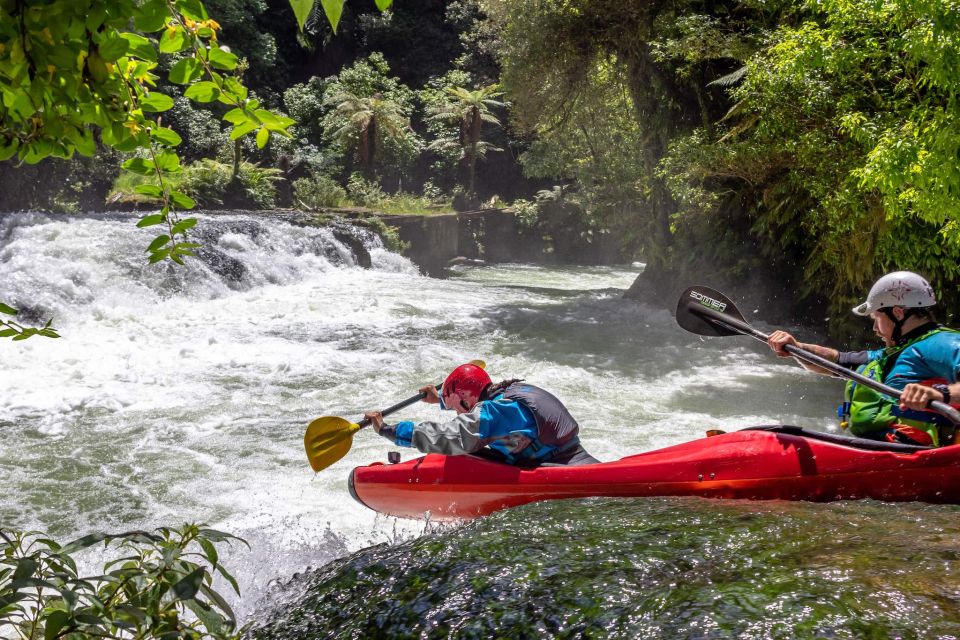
point(209, 550)
point(186, 71)
point(83, 543)
point(235, 87)
point(173, 40)
point(54, 623)
point(168, 161)
point(182, 200)
point(222, 59)
point(25, 568)
point(205, 91)
point(151, 190)
point(159, 255)
point(383, 5)
point(166, 136)
point(149, 221)
point(236, 116)
point(140, 47)
point(183, 225)
point(301, 10)
point(7, 309)
point(263, 136)
point(192, 9)
point(333, 9)
point(242, 129)
point(156, 102)
point(150, 16)
point(112, 48)
point(159, 241)
point(142, 166)
point(6, 333)
point(9, 150)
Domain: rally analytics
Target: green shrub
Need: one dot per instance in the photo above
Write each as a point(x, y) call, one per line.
point(205, 181)
point(260, 184)
point(319, 192)
point(145, 593)
point(389, 235)
point(365, 193)
point(209, 183)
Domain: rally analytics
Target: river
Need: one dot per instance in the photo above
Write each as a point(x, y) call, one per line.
point(181, 394)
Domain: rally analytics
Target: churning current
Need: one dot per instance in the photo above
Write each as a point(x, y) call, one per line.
point(181, 393)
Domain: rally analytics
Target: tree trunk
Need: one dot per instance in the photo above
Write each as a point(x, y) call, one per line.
point(237, 159)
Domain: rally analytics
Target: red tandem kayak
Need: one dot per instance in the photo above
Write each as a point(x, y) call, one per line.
point(759, 463)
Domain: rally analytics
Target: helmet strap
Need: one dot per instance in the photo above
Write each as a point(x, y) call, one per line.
point(897, 324)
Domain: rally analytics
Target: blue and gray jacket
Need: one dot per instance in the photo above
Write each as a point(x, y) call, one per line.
point(522, 422)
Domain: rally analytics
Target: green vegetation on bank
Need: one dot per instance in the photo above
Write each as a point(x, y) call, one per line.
point(160, 586)
point(798, 148)
point(804, 148)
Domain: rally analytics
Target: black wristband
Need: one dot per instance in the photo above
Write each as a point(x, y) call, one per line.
point(945, 390)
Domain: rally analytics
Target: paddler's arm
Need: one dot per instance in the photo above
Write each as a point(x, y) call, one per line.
point(454, 437)
point(778, 340)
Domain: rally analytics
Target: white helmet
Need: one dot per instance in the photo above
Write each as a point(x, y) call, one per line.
point(898, 289)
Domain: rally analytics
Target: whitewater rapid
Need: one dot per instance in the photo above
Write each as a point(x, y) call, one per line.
point(181, 393)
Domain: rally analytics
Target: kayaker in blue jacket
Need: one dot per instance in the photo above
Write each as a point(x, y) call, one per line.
point(921, 358)
point(523, 424)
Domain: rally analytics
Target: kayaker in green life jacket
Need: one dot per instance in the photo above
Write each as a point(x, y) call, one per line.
point(523, 424)
point(921, 358)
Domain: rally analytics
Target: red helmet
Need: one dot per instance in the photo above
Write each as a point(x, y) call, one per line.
point(462, 388)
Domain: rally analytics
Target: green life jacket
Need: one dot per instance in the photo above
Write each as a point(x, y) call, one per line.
point(869, 413)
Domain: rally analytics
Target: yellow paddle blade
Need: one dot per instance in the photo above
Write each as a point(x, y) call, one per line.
point(478, 363)
point(327, 440)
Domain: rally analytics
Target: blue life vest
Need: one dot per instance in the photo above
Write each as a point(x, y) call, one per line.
point(556, 428)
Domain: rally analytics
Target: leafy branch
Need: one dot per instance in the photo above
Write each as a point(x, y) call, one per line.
point(146, 592)
point(10, 329)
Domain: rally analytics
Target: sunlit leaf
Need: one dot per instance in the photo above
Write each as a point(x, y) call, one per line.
point(185, 71)
point(173, 40)
point(222, 59)
point(242, 129)
point(333, 9)
point(166, 136)
point(205, 91)
point(301, 10)
point(140, 47)
point(156, 102)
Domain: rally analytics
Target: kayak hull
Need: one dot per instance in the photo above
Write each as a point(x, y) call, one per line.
point(749, 464)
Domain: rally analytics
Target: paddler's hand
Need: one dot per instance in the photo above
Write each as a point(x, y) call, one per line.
point(375, 418)
point(780, 339)
point(918, 397)
point(430, 395)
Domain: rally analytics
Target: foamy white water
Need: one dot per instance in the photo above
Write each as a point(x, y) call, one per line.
point(181, 394)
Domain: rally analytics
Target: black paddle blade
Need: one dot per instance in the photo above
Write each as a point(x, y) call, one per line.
point(700, 297)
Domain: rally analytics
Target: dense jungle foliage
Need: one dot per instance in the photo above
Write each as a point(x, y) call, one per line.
point(794, 151)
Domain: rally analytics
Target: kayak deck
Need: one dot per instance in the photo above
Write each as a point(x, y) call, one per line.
point(765, 463)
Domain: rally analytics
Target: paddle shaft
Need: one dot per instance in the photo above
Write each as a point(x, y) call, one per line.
point(400, 405)
point(940, 407)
